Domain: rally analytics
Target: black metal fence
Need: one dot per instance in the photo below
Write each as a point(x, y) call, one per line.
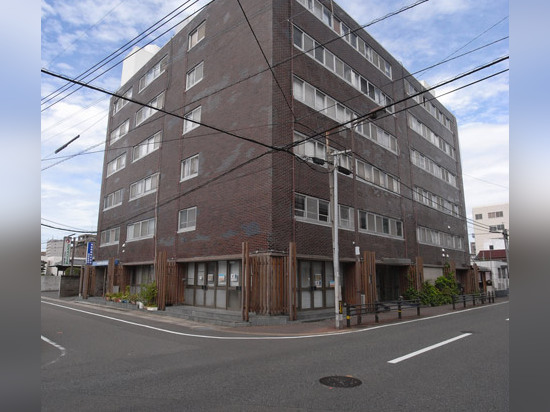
point(479, 298)
point(379, 307)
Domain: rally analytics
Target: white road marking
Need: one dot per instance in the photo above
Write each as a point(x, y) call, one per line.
point(56, 345)
point(437, 345)
point(271, 337)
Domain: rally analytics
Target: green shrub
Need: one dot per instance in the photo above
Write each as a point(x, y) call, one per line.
point(148, 293)
point(438, 293)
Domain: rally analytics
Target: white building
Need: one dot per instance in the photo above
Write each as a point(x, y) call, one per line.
point(54, 253)
point(489, 224)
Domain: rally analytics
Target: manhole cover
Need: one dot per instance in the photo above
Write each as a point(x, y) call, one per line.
point(340, 381)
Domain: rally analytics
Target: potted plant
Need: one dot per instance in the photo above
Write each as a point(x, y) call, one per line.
point(148, 295)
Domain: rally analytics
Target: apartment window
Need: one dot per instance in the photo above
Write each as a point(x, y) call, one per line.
point(189, 167)
point(194, 75)
point(145, 112)
point(153, 73)
point(149, 145)
point(113, 199)
point(120, 103)
point(346, 217)
point(191, 120)
point(120, 131)
point(315, 50)
point(376, 176)
point(144, 186)
point(494, 215)
point(197, 35)
point(324, 104)
point(311, 209)
point(380, 225)
point(110, 237)
point(187, 219)
point(479, 216)
point(433, 237)
point(325, 15)
point(433, 168)
point(309, 147)
point(116, 164)
point(141, 230)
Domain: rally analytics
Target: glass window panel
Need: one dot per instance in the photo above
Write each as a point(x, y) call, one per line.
point(190, 273)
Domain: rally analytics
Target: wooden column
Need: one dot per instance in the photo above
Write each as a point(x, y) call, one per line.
point(160, 275)
point(369, 276)
point(110, 275)
point(84, 284)
point(246, 282)
point(291, 283)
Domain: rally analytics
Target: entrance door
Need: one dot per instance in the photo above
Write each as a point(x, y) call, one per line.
point(207, 284)
point(311, 278)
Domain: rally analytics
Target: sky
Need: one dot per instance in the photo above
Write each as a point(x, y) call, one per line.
point(78, 37)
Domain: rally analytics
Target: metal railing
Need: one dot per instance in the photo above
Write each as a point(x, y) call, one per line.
point(379, 307)
point(480, 298)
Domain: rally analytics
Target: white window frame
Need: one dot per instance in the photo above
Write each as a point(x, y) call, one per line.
point(116, 164)
point(380, 225)
point(189, 168)
point(195, 115)
point(146, 147)
point(187, 225)
point(197, 35)
point(121, 131)
point(309, 148)
point(153, 73)
point(146, 229)
point(432, 237)
point(111, 198)
point(312, 210)
point(146, 112)
point(107, 235)
point(144, 186)
point(194, 76)
point(120, 103)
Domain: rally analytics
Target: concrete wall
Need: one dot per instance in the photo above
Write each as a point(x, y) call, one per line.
point(49, 283)
point(65, 285)
point(69, 286)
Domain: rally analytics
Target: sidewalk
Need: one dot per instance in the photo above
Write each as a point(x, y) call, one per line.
point(291, 328)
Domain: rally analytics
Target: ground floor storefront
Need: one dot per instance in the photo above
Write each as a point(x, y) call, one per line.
point(267, 284)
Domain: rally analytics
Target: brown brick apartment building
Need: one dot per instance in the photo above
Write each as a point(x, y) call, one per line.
point(181, 199)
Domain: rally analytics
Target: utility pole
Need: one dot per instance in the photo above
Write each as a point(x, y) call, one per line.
point(505, 235)
point(73, 243)
point(333, 183)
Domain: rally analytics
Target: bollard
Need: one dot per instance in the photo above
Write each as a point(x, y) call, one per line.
point(399, 308)
point(453, 297)
point(348, 317)
point(474, 299)
point(417, 307)
point(464, 300)
point(376, 312)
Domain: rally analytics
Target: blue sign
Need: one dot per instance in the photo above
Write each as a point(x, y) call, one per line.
point(90, 253)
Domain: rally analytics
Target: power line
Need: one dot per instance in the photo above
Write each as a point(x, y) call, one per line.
point(121, 50)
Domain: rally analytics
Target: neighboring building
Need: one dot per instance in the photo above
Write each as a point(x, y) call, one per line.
point(55, 249)
point(489, 225)
point(493, 266)
point(173, 185)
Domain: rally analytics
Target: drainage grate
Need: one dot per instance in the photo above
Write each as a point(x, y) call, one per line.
point(340, 381)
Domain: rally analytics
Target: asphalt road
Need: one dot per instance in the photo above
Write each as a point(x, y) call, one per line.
point(120, 360)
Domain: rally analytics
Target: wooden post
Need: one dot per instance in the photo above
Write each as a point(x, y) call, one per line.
point(291, 275)
point(110, 275)
point(246, 282)
point(160, 274)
